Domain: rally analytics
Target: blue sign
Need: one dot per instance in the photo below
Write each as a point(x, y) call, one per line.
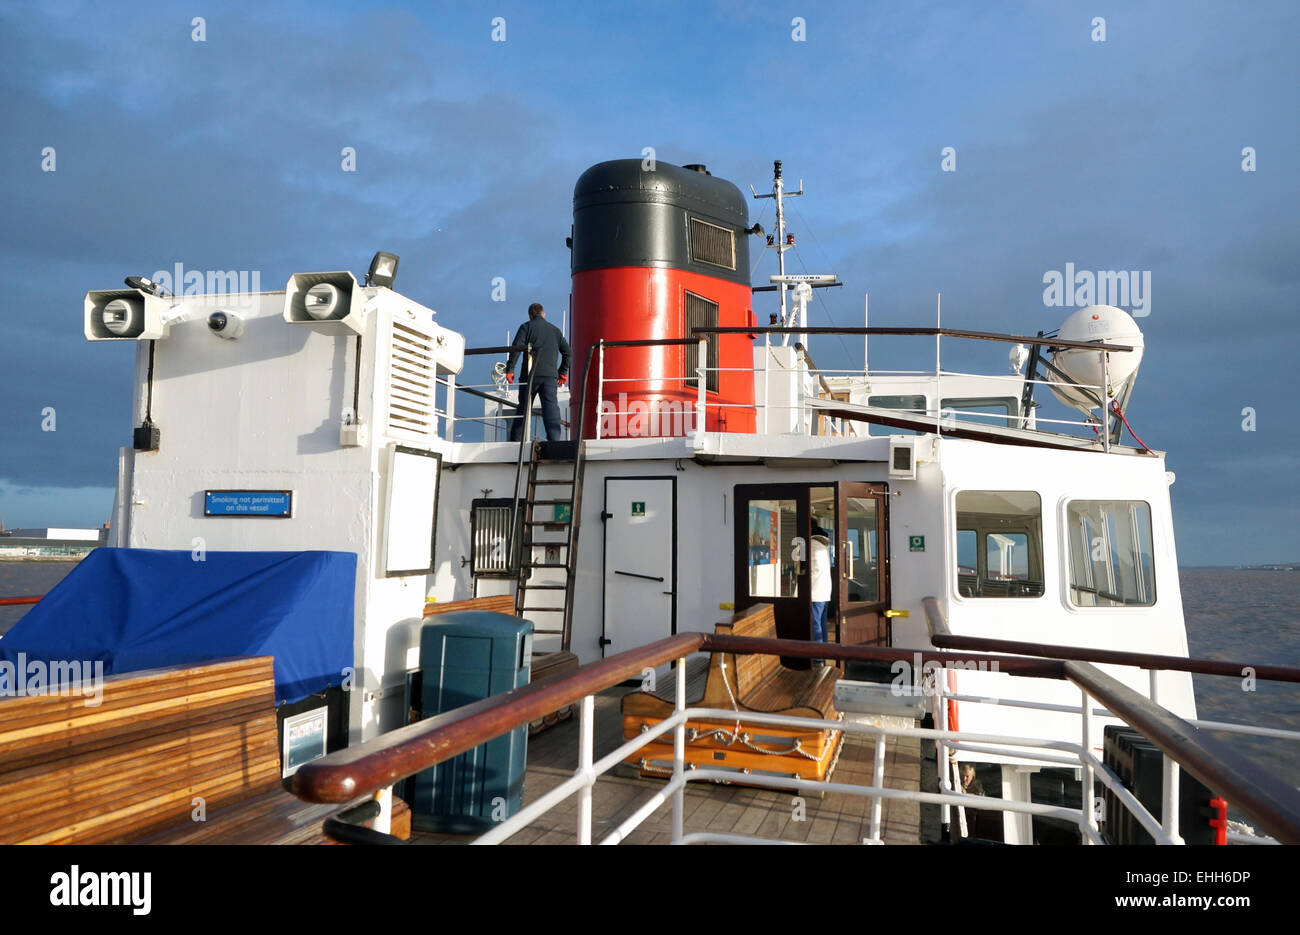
point(278, 503)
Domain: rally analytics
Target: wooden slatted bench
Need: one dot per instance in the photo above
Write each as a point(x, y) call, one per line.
point(543, 666)
point(747, 683)
point(134, 767)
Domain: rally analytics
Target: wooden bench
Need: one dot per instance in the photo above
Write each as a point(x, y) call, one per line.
point(543, 666)
point(133, 767)
point(747, 683)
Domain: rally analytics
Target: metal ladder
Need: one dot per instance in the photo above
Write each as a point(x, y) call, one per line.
point(553, 491)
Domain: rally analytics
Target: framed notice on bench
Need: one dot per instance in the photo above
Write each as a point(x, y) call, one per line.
point(305, 736)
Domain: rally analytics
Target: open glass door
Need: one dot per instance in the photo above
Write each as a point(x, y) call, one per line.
point(862, 564)
point(771, 552)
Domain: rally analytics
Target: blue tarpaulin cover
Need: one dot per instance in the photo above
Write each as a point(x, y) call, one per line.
point(144, 608)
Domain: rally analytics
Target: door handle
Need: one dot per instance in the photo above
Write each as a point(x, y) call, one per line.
point(633, 574)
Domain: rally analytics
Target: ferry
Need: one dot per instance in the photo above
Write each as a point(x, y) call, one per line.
point(315, 477)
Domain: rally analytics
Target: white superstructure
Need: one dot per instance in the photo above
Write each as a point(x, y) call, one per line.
point(933, 484)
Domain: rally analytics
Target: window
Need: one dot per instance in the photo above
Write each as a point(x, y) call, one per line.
point(968, 565)
point(712, 244)
point(772, 570)
point(915, 405)
point(985, 410)
point(999, 546)
point(1111, 559)
point(861, 558)
point(699, 312)
point(490, 531)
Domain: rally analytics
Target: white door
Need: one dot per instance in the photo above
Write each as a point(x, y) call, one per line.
point(640, 567)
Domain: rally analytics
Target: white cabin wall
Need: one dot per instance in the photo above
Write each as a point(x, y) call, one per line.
point(915, 509)
point(1060, 476)
point(263, 412)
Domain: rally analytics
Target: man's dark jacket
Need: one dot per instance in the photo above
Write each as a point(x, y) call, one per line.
point(548, 343)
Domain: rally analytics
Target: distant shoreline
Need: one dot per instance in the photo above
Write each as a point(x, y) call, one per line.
point(42, 558)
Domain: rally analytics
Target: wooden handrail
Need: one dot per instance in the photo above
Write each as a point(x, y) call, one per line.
point(809, 649)
point(942, 637)
point(1118, 657)
point(1258, 793)
point(376, 764)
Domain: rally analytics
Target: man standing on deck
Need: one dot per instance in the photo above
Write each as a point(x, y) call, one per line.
point(820, 559)
point(547, 342)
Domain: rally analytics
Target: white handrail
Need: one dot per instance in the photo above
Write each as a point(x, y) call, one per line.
point(589, 771)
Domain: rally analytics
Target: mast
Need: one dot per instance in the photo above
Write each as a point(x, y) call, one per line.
point(780, 242)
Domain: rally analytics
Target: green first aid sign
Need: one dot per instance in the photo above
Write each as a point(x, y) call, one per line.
point(916, 543)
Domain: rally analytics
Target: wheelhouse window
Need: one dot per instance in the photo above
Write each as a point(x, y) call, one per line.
point(999, 543)
point(912, 404)
point(997, 410)
point(1111, 557)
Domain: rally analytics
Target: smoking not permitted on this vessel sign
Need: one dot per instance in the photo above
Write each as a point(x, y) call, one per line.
point(274, 503)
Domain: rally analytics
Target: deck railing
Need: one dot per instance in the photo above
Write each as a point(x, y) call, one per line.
point(942, 637)
point(690, 419)
point(370, 767)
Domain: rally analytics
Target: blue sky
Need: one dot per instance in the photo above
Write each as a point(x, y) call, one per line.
point(225, 154)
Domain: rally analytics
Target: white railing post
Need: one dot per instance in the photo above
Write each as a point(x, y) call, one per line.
point(1105, 402)
point(767, 382)
point(586, 726)
point(945, 810)
point(1086, 788)
point(701, 371)
point(679, 755)
point(877, 780)
point(600, 387)
point(1170, 798)
point(451, 407)
point(1154, 692)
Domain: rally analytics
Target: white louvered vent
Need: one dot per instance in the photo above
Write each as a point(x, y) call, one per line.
point(491, 540)
point(411, 383)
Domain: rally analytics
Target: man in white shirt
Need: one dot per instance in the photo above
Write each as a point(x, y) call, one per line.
point(819, 560)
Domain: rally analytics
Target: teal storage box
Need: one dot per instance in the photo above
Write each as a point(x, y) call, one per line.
point(465, 657)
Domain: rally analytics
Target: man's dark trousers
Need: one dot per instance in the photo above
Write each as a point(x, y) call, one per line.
point(545, 387)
